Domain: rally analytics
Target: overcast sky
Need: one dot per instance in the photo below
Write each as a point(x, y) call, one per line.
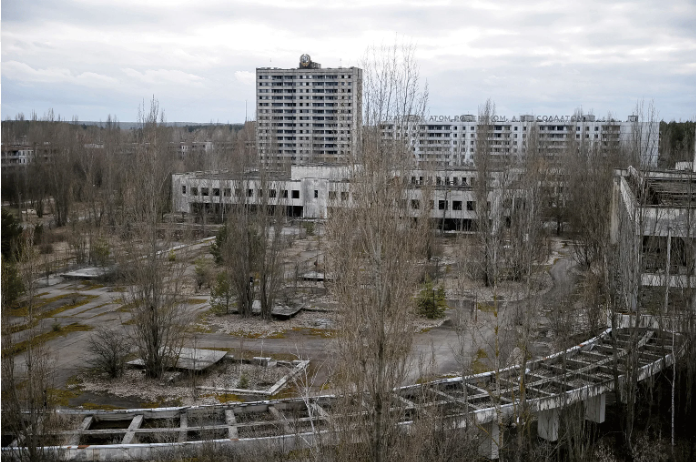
point(92, 58)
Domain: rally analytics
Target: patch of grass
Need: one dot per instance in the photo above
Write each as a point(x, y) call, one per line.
point(162, 401)
point(196, 301)
point(274, 335)
point(20, 347)
point(24, 310)
point(289, 391)
point(478, 365)
point(100, 407)
point(486, 308)
point(241, 333)
point(87, 299)
point(61, 397)
point(98, 306)
point(20, 327)
point(127, 308)
point(315, 332)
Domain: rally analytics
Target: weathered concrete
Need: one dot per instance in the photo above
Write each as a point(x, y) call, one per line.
point(548, 425)
point(191, 359)
point(595, 408)
point(490, 441)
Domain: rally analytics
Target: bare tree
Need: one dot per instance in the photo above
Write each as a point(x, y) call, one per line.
point(374, 247)
point(150, 266)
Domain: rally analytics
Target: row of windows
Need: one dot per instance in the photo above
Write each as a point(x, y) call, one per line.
point(305, 76)
point(455, 181)
point(227, 192)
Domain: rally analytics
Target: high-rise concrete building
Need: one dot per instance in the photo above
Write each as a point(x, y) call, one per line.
point(308, 114)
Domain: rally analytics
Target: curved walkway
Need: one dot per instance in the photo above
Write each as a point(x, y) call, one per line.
point(584, 373)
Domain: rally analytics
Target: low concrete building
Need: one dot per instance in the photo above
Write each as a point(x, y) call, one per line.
point(312, 191)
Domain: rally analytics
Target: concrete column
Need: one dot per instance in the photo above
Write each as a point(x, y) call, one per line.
point(547, 426)
point(489, 441)
point(595, 408)
point(231, 420)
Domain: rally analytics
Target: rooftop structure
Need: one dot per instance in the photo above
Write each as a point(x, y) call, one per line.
point(654, 228)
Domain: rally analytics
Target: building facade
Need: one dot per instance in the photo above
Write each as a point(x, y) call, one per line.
point(312, 191)
point(308, 114)
point(452, 141)
point(654, 232)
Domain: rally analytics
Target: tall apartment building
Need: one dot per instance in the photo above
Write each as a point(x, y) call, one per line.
point(308, 114)
point(452, 141)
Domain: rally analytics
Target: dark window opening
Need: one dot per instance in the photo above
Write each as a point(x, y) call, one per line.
point(183, 189)
point(284, 193)
point(205, 192)
point(456, 205)
point(227, 192)
point(471, 205)
point(316, 194)
point(272, 193)
point(332, 195)
point(194, 191)
point(216, 192)
point(295, 193)
point(415, 204)
point(250, 193)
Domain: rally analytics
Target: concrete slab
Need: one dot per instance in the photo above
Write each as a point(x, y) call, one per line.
point(191, 359)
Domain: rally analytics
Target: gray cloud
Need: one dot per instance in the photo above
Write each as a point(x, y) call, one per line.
point(198, 58)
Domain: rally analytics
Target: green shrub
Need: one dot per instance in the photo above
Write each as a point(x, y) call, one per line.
point(243, 381)
point(431, 301)
point(221, 294)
